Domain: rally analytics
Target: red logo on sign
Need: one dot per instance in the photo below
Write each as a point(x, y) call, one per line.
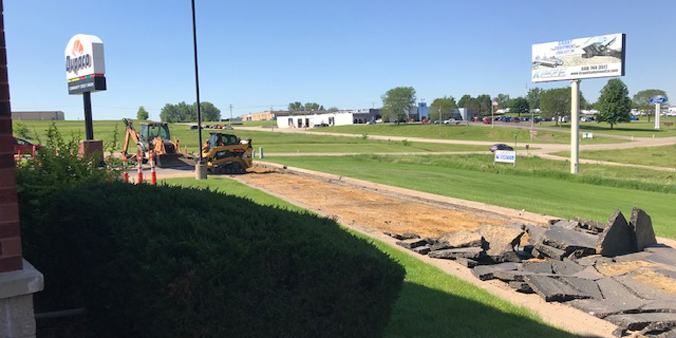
point(77, 48)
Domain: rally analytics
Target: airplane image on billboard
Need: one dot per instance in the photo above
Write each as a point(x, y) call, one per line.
point(593, 57)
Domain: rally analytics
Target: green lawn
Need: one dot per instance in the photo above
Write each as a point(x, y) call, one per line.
point(640, 128)
point(545, 192)
point(664, 156)
point(461, 132)
point(270, 141)
point(431, 303)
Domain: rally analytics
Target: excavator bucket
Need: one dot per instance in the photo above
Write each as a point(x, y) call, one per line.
point(174, 160)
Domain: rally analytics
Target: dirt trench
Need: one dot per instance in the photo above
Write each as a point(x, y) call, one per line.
point(379, 211)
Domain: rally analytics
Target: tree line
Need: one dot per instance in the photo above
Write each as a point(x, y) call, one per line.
point(614, 105)
point(183, 112)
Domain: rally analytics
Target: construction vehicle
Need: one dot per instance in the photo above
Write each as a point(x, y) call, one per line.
point(550, 62)
point(155, 139)
point(600, 46)
point(227, 154)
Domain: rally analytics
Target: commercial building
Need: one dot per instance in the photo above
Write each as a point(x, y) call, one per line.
point(361, 116)
point(262, 116)
point(38, 115)
point(315, 120)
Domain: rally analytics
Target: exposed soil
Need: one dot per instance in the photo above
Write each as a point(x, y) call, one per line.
point(368, 208)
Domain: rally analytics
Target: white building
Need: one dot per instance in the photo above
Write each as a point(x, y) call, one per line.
point(315, 120)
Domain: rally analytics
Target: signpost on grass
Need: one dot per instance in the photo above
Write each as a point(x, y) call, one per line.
point(576, 59)
point(85, 72)
point(657, 100)
point(505, 156)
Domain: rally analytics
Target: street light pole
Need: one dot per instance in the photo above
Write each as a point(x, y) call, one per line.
point(200, 168)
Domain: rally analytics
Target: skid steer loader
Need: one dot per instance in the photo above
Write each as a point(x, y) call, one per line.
point(154, 138)
point(227, 154)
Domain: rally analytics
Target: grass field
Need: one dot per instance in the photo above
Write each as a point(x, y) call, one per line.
point(640, 128)
point(545, 192)
point(431, 303)
point(270, 141)
point(461, 132)
point(664, 156)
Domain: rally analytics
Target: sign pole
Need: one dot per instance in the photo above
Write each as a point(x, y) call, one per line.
point(89, 128)
point(657, 116)
point(574, 126)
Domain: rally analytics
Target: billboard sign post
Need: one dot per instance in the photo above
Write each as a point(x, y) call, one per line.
point(576, 59)
point(658, 100)
point(85, 72)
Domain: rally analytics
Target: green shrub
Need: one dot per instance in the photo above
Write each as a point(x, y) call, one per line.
point(57, 164)
point(177, 262)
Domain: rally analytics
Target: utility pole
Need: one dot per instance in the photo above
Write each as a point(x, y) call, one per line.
point(272, 116)
point(574, 126)
point(200, 167)
point(439, 121)
point(231, 114)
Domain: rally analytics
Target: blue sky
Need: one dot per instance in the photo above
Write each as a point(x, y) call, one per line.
point(258, 53)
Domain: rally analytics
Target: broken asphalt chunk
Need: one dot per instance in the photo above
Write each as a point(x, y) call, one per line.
point(469, 253)
point(485, 272)
point(643, 228)
point(618, 238)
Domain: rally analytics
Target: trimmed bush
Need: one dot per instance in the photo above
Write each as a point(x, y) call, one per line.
point(176, 262)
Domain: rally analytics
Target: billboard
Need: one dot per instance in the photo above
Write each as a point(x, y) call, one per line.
point(598, 56)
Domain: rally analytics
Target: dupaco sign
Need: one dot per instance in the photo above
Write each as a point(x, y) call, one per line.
point(85, 66)
point(505, 156)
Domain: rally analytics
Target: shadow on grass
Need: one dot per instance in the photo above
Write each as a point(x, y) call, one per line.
point(424, 312)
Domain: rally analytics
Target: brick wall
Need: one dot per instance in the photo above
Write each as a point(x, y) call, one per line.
point(10, 238)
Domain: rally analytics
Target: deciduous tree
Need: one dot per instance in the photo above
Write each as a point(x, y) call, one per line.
point(642, 100)
point(312, 106)
point(502, 100)
point(484, 105)
point(142, 114)
point(533, 97)
point(518, 105)
point(555, 103)
point(296, 106)
point(445, 106)
point(614, 103)
point(397, 102)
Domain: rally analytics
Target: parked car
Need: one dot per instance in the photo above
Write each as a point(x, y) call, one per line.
point(500, 146)
point(486, 120)
point(21, 146)
point(633, 118)
point(516, 120)
point(194, 126)
point(451, 121)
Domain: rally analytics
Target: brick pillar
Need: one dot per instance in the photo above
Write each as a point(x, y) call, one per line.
point(10, 238)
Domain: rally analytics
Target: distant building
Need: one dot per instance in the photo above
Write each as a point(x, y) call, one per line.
point(423, 111)
point(463, 114)
point(315, 120)
point(361, 116)
point(262, 116)
point(38, 115)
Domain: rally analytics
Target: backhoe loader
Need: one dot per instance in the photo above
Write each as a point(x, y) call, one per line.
point(155, 139)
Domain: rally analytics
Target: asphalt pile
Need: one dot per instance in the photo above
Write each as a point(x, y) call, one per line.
point(613, 270)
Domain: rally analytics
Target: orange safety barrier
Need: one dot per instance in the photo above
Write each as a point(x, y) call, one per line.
point(139, 167)
point(153, 174)
point(125, 174)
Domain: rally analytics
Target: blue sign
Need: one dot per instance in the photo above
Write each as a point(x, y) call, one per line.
point(658, 99)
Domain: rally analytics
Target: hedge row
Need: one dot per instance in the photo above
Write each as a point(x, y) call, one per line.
point(176, 262)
